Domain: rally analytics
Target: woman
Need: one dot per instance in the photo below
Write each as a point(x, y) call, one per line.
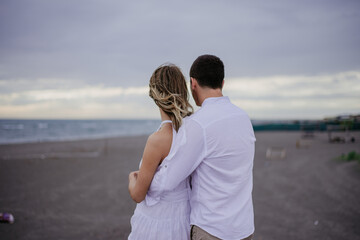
point(166, 217)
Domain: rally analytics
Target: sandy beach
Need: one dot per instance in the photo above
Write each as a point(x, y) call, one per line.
point(78, 190)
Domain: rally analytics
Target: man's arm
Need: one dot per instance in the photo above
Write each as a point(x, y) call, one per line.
point(187, 154)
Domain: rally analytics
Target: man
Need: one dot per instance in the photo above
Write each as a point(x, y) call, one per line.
point(217, 148)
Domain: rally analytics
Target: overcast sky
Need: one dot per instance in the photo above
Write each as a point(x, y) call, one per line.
point(93, 59)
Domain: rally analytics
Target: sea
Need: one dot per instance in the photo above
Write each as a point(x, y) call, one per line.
point(26, 131)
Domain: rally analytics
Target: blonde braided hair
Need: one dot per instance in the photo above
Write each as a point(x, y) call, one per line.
point(169, 91)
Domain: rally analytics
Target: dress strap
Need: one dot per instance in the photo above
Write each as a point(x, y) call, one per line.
point(163, 122)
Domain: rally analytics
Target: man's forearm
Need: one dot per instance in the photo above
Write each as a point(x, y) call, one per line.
point(183, 159)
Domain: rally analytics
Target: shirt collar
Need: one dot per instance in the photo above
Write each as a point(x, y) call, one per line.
point(212, 100)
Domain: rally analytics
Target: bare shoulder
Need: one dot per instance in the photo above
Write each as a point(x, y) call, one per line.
point(160, 141)
point(160, 138)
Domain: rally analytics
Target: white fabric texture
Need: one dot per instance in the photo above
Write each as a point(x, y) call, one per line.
point(164, 216)
point(216, 145)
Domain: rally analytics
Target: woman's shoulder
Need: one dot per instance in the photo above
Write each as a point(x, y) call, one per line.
point(161, 140)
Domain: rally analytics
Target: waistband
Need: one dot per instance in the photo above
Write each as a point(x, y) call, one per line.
point(170, 196)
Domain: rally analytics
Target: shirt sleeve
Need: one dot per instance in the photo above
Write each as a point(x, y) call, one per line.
point(183, 159)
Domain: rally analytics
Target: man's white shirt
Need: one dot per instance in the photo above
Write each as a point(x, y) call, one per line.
point(216, 145)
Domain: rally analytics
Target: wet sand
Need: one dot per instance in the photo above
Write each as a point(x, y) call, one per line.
point(78, 190)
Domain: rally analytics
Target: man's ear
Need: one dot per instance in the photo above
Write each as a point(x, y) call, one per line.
point(222, 85)
point(193, 83)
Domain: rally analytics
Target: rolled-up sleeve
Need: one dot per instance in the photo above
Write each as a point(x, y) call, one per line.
point(187, 153)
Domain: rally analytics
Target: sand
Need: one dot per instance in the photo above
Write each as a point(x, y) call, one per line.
point(78, 190)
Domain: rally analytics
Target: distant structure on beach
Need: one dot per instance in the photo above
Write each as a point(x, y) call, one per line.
point(342, 118)
point(345, 123)
point(337, 123)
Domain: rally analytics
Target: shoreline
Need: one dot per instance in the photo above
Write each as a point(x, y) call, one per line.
point(64, 140)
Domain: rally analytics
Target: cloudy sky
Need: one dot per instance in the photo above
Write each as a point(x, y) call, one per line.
point(86, 59)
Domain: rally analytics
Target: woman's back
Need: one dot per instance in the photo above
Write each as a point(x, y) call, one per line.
point(163, 138)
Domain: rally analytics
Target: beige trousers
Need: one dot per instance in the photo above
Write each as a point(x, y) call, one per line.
point(199, 234)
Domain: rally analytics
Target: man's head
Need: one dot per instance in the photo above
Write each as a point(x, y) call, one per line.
point(206, 74)
point(208, 70)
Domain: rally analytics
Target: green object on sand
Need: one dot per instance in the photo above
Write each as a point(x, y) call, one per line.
point(351, 156)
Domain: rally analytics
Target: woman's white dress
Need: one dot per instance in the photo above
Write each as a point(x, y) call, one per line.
point(165, 217)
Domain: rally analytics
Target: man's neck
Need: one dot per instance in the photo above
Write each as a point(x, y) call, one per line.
point(210, 93)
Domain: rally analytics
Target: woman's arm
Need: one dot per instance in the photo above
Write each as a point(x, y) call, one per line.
point(139, 181)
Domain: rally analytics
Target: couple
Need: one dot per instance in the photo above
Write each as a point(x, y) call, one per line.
point(195, 177)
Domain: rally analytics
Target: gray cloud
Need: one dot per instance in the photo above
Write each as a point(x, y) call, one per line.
point(121, 43)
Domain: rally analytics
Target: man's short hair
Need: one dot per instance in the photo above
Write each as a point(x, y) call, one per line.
point(208, 70)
